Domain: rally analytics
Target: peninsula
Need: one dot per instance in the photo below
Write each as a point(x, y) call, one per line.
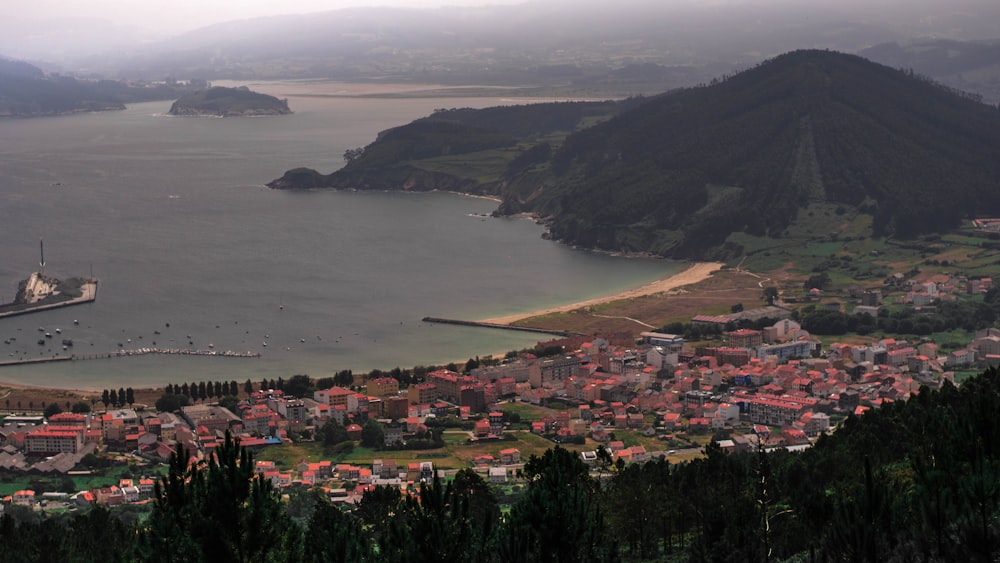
point(745, 164)
point(229, 102)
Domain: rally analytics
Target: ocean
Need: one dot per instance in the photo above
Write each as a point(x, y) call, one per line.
point(192, 251)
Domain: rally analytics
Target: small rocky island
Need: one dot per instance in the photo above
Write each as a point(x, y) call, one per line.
point(219, 101)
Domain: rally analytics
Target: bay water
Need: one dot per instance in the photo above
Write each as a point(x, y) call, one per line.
point(192, 251)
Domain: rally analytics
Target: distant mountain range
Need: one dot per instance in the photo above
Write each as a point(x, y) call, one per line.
point(679, 174)
point(621, 48)
point(972, 66)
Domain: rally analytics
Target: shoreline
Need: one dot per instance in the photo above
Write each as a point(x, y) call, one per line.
point(696, 272)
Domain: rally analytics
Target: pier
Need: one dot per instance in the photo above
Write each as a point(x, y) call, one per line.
point(563, 333)
point(29, 361)
point(129, 353)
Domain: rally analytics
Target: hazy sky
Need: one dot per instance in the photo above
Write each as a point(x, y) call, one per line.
point(175, 16)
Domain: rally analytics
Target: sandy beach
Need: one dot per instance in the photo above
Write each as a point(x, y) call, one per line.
point(693, 274)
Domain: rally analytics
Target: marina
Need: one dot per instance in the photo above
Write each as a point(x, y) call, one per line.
point(356, 269)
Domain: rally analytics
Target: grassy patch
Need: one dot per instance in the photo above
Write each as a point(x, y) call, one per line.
point(287, 456)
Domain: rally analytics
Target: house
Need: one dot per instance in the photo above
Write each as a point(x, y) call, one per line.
point(510, 455)
point(483, 428)
point(498, 475)
point(23, 498)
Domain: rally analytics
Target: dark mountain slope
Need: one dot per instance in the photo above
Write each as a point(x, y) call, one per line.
point(805, 126)
point(678, 174)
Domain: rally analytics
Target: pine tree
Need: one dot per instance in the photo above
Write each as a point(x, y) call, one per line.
point(222, 511)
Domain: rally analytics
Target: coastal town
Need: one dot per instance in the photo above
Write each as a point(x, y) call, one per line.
point(748, 389)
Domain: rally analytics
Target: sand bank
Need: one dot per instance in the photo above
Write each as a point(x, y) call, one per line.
point(692, 274)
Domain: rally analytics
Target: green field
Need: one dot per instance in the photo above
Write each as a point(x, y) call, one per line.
point(12, 482)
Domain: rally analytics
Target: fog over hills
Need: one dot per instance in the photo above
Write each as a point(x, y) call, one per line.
point(550, 41)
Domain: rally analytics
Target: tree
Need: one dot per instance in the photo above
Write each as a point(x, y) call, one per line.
point(372, 435)
point(220, 511)
point(202, 392)
point(335, 535)
point(299, 386)
point(130, 396)
point(344, 378)
point(770, 294)
point(52, 410)
point(121, 397)
point(229, 402)
point(559, 517)
point(332, 433)
point(248, 388)
point(168, 402)
point(106, 398)
point(350, 155)
point(67, 485)
point(113, 398)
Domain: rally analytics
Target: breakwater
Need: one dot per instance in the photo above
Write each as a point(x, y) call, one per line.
point(185, 352)
point(29, 361)
point(479, 324)
point(129, 353)
point(88, 294)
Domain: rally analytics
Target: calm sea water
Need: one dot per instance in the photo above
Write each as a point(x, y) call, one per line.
point(171, 215)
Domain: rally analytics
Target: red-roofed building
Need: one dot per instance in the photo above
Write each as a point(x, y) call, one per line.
point(422, 393)
point(383, 387)
point(510, 455)
point(23, 498)
point(68, 419)
point(54, 440)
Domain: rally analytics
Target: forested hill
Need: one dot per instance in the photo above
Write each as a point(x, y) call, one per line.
point(464, 149)
point(676, 175)
point(804, 127)
point(229, 102)
point(26, 91)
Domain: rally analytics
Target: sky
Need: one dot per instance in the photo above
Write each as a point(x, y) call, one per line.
point(169, 17)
